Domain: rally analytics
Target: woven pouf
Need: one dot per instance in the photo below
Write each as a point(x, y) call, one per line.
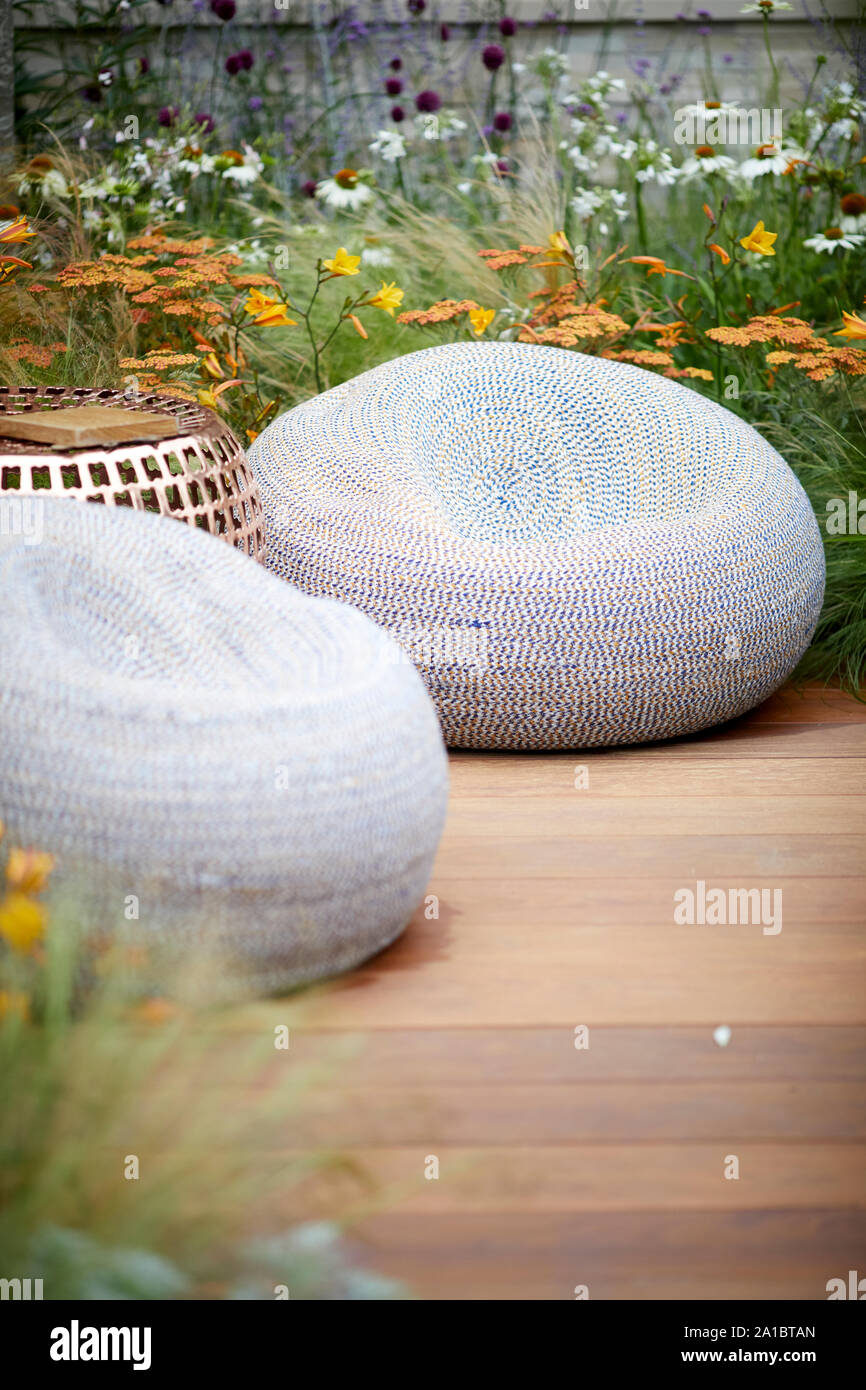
point(186, 732)
point(573, 551)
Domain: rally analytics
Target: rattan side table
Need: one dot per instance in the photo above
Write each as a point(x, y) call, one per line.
point(200, 476)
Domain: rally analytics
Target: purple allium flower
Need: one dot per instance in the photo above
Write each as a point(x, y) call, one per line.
point(255, 103)
point(493, 57)
point(168, 115)
point(444, 33)
point(502, 166)
point(641, 65)
point(507, 27)
point(398, 114)
point(416, 6)
point(727, 57)
point(224, 9)
point(393, 86)
point(703, 14)
point(428, 101)
point(680, 16)
point(246, 59)
point(704, 30)
point(502, 120)
point(206, 122)
point(308, 188)
point(395, 64)
point(665, 89)
point(143, 66)
point(487, 131)
point(584, 109)
point(233, 64)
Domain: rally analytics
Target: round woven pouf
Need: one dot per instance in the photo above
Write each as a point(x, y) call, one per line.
point(263, 772)
point(200, 475)
point(573, 551)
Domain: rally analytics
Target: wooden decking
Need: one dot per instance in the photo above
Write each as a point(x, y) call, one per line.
point(605, 1166)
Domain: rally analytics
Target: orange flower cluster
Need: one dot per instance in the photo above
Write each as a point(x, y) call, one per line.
point(251, 280)
point(174, 288)
point(559, 303)
point(158, 360)
point(440, 312)
point(764, 328)
point(23, 351)
point(811, 354)
point(642, 357)
point(504, 260)
point(584, 321)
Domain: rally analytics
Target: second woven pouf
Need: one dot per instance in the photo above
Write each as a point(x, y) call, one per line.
point(257, 770)
point(574, 551)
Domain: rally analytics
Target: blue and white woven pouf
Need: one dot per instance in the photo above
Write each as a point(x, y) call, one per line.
point(574, 551)
point(252, 769)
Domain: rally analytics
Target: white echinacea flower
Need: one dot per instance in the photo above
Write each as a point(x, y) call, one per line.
point(834, 239)
point(344, 190)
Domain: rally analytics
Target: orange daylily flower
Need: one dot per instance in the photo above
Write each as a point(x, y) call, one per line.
point(759, 240)
point(656, 266)
point(720, 252)
point(854, 327)
point(481, 320)
point(388, 298)
point(16, 231)
point(268, 312)
point(210, 396)
point(22, 921)
point(28, 871)
point(342, 263)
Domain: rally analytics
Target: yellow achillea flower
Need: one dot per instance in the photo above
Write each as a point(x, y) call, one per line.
point(389, 298)
point(481, 319)
point(759, 240)
point(22, 921)
point(268, 312)
point(854, 327)
point(342, 263)
point(28, 871)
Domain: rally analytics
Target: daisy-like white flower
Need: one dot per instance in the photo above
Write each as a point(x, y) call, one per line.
point(769, 159)
point(390, 144)
point(589, 201)
point(708, 110)
point(834, 239)
point(705, 161)
point(344, 190)
point(377, 255)
point(853, 206)
point(440, 125)
point(586, 202)
point(247, 170)
point(766, 7)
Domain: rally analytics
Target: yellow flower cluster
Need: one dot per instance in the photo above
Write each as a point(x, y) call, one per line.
point(22, 917)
